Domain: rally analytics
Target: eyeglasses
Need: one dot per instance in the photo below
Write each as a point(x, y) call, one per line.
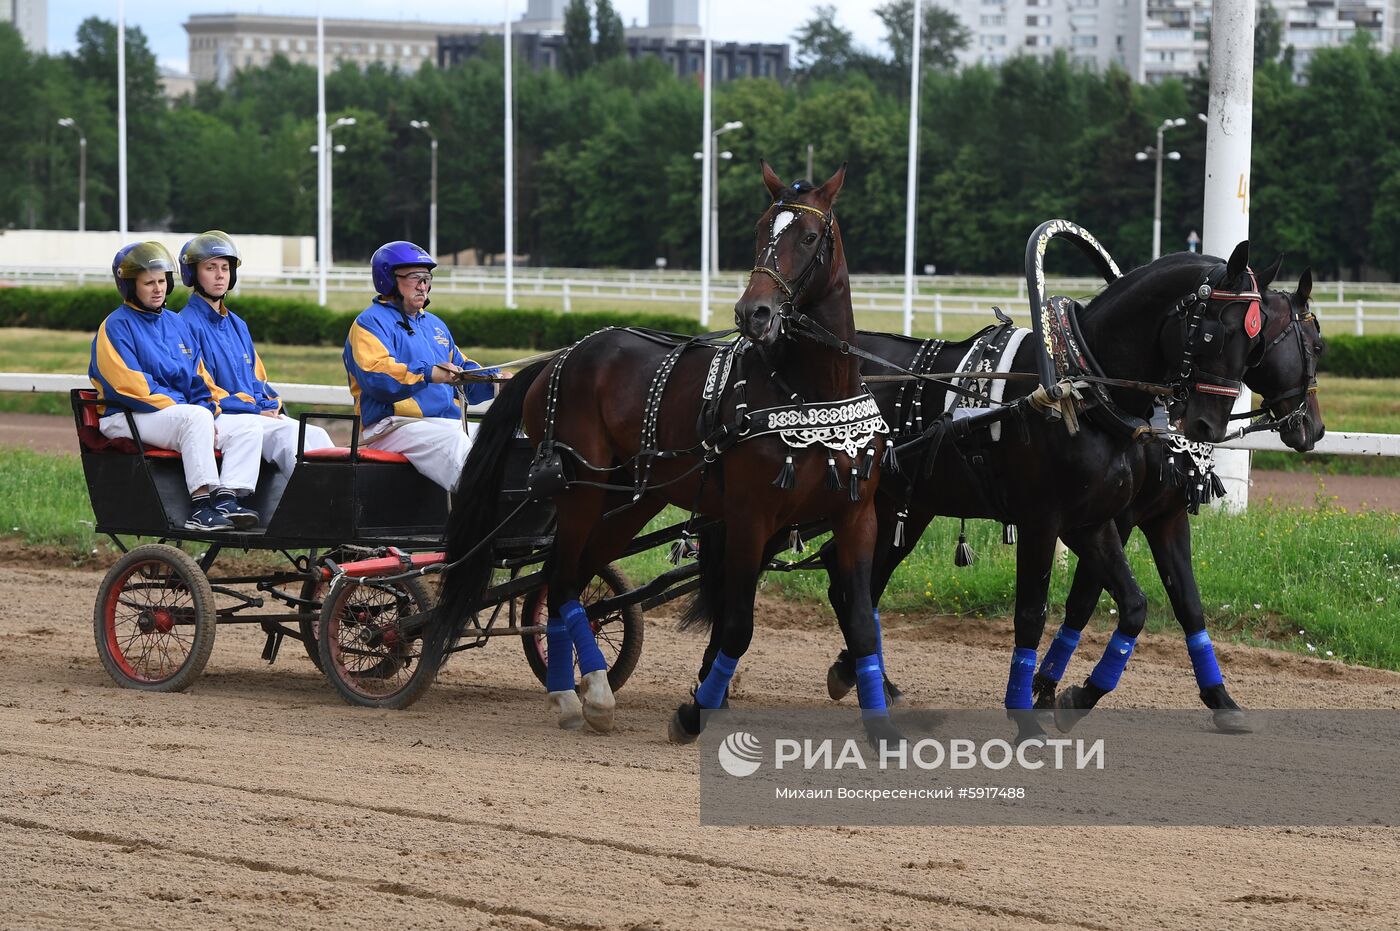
point(417, 279)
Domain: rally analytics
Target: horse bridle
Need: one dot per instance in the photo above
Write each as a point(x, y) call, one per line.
point(1306, 388)
point(1201, 336)
point(768, 261)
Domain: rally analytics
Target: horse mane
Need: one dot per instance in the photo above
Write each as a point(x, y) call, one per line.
point(1158, 275)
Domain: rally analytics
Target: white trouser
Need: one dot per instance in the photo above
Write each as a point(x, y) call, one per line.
point(279, 437)
point(436, 446)
point(190, 430)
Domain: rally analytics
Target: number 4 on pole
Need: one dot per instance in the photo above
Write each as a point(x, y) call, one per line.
point(1243, 193)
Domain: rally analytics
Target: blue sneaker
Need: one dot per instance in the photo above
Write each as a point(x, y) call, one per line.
point(207, 517)
point(239, 516)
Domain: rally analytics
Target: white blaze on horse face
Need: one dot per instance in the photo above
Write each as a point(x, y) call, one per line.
point(781, 221)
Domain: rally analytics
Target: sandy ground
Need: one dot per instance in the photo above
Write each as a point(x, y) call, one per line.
point(259, 800)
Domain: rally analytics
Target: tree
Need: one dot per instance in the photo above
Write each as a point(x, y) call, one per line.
point(944, 35)
point(1268, 35)
point(577, 54)
point(824, 48)
point(612, 43)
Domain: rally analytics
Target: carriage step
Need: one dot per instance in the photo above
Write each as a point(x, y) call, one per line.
point(273, 644)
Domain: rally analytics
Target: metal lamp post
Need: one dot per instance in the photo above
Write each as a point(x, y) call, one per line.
point(331, 150)
point(432, 202)
point(69, 123)
point(714, 202)
point(1151, 152)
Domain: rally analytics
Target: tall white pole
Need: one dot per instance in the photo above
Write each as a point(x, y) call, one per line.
point(510, 164)
point(707, 160)
point(121, 119)
point(323, 159)
point(912, 190)
point(432, 206)
point(1157, 202)
point(1229, 138)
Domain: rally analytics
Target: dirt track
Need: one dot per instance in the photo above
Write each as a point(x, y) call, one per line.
point(258, 800)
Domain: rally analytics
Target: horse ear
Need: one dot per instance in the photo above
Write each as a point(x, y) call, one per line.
point(1305, 284)
point(771, 180)
point(832, 188)
point(1239, 261)
point(1267, 276)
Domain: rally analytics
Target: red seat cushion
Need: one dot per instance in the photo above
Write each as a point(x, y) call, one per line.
point(342, 454)
point(91, 440)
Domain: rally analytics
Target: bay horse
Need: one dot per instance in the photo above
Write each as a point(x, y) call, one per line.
point(1186, 321)
point(622, 428)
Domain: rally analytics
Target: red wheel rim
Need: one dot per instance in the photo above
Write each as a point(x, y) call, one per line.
point(148, 620)
point(372, 655)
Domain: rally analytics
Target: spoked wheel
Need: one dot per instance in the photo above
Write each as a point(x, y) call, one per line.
point(154, 620)
point(312, 590)
point(366, 651)
point(619, 633)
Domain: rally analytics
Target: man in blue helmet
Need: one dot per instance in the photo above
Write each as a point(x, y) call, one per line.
point(143, 361)
point(209, 265)
point(403, 364)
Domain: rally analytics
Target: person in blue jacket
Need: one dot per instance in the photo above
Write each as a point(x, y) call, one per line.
point(209, 265)
point(402, 365)
point(144, 362)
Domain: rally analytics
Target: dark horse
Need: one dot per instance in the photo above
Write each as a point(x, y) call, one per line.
point(1185, 321)
point(622, 429)
point(1285, 375)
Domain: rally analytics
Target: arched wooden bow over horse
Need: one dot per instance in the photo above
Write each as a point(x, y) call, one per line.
point(615, 423)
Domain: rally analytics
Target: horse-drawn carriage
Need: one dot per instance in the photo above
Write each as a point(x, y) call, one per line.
point(344, 513)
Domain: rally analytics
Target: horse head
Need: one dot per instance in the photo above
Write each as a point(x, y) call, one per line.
point(798, 261)
point(1284, 364)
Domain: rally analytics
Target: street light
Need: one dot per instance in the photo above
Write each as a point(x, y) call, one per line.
point(69, 123)
point(1157, 153)
point(432, 204)
point(714, 205)
point(330, 175)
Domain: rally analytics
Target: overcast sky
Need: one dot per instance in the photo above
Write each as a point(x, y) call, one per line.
point(161, 20)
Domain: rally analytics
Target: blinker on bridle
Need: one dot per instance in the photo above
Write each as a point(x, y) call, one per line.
point(1201, 334)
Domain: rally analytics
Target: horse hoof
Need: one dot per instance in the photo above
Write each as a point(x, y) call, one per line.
point(1028, 726)
point(839, 681)
point(1045, 699)
point(567, 709)
point(598, 701)
point(685, 724)
point(894, 698)
point(1231, 721)
point(1068, 711)
point(881, 732)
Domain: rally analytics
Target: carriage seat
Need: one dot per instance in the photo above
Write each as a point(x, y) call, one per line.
point(342, 454)
point(91, 440)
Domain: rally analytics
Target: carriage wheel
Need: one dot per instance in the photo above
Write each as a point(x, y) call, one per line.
point(366, 654)
point(619, 633)
point(154, 620)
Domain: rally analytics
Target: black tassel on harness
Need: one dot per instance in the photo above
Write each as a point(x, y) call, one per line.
point(1008, 534)
point(1216, 485)
point(963, 556)
point(889, 461)
point(855, 485)
point(833, 478)
point(899, 527)
point(795, 541)
point(787, 476)
point(867, 464)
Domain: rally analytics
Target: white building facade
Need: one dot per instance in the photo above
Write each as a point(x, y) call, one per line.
point(31, 18)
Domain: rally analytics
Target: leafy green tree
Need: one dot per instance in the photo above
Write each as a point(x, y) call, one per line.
point(1268, 34)
point(612, 43)
point(577, 55)
point(944, 35)
point(824, 48)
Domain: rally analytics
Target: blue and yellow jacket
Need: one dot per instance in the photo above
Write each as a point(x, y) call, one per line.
point(388, 360)
point(144, 362)
point(223, 342)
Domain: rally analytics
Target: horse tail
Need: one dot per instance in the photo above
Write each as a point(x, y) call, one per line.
point(476, 512)
point(706, 606)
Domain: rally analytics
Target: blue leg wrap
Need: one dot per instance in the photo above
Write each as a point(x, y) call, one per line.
point(590, 658)
point(1203, 660)
point(1115, 658)
point(870, 686)
point(559, 649)
point(1057, 657)
point(711, 692)
point(1018, 680)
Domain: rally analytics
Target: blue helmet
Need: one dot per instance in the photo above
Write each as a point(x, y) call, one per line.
point(394, 255)
point(214, 244)
point(137, 257)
